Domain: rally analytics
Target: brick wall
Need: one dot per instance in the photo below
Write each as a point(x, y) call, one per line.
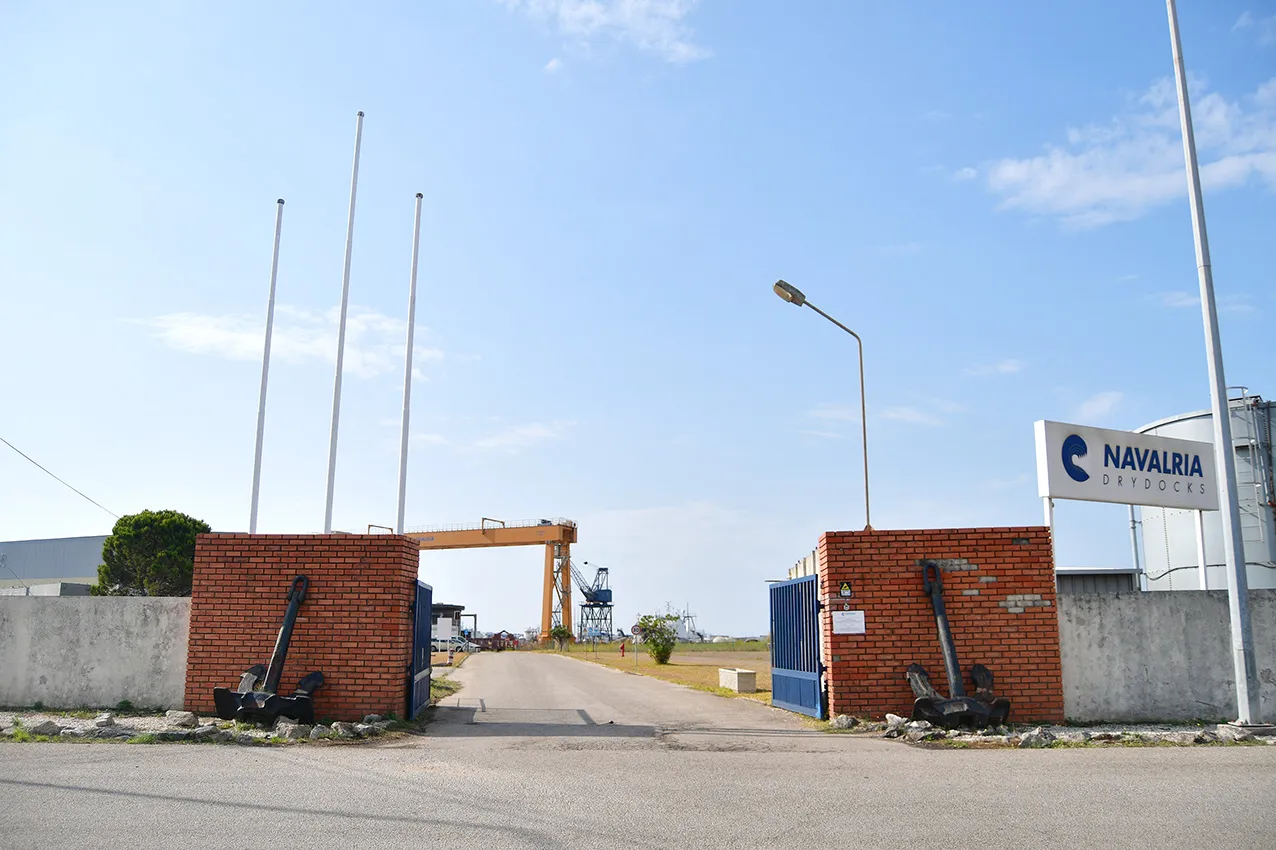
point(355, 625)
point(1000, 596)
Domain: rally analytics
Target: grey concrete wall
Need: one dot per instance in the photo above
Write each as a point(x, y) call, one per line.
point(1162, 655)
point(68, 652)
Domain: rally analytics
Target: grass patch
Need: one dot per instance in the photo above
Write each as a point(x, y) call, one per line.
point(144, 738)
point(441, 687)
point(696, 668)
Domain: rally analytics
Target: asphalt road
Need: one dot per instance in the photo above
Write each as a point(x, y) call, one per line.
point(544, 751)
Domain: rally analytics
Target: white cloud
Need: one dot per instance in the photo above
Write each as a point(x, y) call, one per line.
point(517, 437)
point(1179, 299)
point(966, 173)
point(1009, 366)
point(1265, 28)
point(823, 435)
point(1236, 304)
point(1120, 170)
point(655, 25)
point(911, 415)
point(553, 65)
point(835, 412)
point(374, 341)
point(1099, 406)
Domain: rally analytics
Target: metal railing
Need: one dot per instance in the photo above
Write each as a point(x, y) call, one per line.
point(482, 525)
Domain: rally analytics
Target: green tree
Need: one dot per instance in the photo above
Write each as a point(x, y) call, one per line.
point(149, 554)
point(659, 635)
point(560, 635)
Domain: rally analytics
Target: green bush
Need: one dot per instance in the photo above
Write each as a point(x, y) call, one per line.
point(149, 554)
point(659, 635)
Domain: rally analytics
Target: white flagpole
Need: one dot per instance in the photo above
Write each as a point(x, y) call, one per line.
point(1229, 510)
point(265, 367)
point(341, 329)
point(407, 368)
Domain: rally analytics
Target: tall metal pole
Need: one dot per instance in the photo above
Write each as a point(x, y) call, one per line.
point(868, 523)
point(1233, 545)
point(341, 328)
point(407, 372)
point(265, 367)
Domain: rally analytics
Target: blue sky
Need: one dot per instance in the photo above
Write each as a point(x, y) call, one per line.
point(990, 193)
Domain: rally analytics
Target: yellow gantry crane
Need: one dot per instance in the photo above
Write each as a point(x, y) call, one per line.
point(556, 535)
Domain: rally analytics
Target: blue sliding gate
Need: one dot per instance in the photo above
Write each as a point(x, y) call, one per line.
point(419, 669)
point(795, 646)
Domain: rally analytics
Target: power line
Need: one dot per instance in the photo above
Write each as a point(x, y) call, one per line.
point(54, 477)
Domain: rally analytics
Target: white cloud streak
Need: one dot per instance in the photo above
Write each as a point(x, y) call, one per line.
point(1099, 406)
point(1120, 170)
point(835, 413)
point(1009, 366)
point(553, 65)
point(1235, 304)
point(657, 26)
point(1264, 28)
point(374, 341)
point(910, 415)
point(518, 437)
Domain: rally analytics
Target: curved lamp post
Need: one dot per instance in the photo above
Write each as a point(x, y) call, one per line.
point(794, 296)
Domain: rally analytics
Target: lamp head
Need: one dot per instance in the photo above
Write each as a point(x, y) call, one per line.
point(789, 293)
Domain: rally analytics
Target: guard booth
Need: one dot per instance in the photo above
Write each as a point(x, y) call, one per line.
point(796, 670)
point(419, 670)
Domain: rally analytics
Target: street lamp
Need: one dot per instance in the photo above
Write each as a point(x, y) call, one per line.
point(794, 296)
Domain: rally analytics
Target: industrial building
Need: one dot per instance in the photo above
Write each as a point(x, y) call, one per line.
point(1167, 553)
point(61, 566)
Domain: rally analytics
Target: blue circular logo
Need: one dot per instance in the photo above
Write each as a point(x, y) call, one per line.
point(1073, 448)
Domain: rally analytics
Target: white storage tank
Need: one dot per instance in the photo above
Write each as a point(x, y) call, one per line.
point(1169, 534)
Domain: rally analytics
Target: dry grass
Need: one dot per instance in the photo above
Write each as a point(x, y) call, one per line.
point(439, 659)
point(697, 669)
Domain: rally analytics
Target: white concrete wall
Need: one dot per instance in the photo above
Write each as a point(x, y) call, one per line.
point(68, 652)
point(1160, 655)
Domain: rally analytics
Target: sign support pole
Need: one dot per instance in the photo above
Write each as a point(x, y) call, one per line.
point(1243, 660)
point(1200, 550)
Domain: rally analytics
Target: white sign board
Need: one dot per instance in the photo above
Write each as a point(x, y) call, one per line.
point(848, 622)
point(443, 629)
point(1098, 465)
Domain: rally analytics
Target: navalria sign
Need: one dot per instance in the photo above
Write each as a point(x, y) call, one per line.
point(1097, 465)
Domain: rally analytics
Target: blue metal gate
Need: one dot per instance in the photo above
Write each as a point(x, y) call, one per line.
point(795, 646)
point(419, 669)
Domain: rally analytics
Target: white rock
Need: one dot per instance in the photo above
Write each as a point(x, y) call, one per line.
point(1035, 739)
point(365, 730)
point(181, 718)
point(72, 733)
point(345, 730)
point(319, 731)
point(296, 731)
point(1232, 734)
point(844, 721)
point(104, 719)
point(895, 720)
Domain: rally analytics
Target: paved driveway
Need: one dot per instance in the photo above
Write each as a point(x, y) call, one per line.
point(543, 751)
